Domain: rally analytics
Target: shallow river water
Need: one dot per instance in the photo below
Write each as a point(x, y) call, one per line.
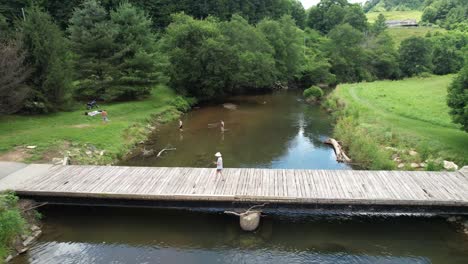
point(267, 131)
point(264, 131)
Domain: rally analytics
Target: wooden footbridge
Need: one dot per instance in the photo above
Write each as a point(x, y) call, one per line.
point(316, 190)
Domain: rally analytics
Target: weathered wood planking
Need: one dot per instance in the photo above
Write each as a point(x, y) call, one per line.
point(250, 185)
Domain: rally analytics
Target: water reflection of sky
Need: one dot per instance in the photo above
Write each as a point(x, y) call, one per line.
point(81, 253)
point(302, 153)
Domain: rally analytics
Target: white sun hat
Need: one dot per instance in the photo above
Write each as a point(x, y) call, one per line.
point(218, 154)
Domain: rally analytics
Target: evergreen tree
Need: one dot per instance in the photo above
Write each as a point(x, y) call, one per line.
point(379, 25)
point(47, 49)
point(93, 36)
point(135, 58)
point(13, 76)
point(457, 98)
point(415, 56)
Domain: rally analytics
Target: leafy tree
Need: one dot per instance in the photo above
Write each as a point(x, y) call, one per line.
point(13, 76)
point(287, 42)
point(383, 57)
point(255, 65)
point(447, 56)
point(48, 55)
point(457, 98)
point(379, 25)
point(356, 17)
point(135, 59)
point(346, 54)
point(200, 62)
point(330, 13)
point(316, 67)
point(415, 56)
point(93, 36)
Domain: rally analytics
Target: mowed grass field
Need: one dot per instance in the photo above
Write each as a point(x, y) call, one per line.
point(400, 34)
point(412, 110)
point(49, 131)
point(395, 15)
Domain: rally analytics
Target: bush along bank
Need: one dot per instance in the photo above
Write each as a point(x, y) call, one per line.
point(379, 130)
point(88, 140)
point(19, 226)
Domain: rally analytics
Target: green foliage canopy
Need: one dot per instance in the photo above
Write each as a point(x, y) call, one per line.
point(47, 49)
point(457, 98)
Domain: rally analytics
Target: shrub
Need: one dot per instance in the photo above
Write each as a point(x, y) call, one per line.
point(313, 91)
point(181, 104)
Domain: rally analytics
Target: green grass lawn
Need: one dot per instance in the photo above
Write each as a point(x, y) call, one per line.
point(48, 131)
point(395, 15)
point(413, 110)
point(400, 34)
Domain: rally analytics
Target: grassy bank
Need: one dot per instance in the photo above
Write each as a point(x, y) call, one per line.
point(55, 133)
point(404, 115)
point(12, 223)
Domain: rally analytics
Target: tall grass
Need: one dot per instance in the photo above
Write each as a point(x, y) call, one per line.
point(11, 222)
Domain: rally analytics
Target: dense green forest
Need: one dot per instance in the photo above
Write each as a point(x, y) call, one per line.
point(450, 14)
point(119, 50)
point(393, 5)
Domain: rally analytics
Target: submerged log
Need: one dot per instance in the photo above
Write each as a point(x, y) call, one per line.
point(164, 149)
point(340, 154)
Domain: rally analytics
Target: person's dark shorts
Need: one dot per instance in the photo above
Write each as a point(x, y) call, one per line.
point(219, 170)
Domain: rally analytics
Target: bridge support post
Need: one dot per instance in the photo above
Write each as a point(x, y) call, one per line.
point(249, 221)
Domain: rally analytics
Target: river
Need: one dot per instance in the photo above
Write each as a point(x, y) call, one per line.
point(121, 235)
point(275, 130)
point(264, 131)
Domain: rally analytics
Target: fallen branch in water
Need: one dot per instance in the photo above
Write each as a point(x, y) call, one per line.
point(340, 154)
point(34, 207)
point(164, 149)
point(246, 212)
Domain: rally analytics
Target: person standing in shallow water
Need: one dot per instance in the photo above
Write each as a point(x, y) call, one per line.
point(222, 125)
point(219, 163)
point(181, 125)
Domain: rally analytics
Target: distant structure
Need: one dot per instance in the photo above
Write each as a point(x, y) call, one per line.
point(402, 23)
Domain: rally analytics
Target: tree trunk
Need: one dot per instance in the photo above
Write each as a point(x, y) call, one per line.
point(340, 154)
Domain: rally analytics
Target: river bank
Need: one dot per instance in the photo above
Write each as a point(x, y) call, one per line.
point(85, 139)
point(19, 225)
point(383, 127)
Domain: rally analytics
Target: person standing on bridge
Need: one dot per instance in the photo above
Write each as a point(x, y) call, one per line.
point(219, 163)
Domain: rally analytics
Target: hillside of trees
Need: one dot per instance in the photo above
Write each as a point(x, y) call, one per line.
point(393, 5)
point(450, 14)
point(57, 54)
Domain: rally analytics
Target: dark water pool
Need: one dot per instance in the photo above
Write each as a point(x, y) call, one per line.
point(111, 235)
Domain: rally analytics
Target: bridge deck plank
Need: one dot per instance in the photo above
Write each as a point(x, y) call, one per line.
point(306, 186)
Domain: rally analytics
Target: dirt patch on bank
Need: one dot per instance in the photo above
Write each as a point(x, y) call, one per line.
point(18, 154)
point(81, 126)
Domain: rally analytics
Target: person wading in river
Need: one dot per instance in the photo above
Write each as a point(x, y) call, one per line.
point(219, 163)
point(222, 125)
point(181, 125)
